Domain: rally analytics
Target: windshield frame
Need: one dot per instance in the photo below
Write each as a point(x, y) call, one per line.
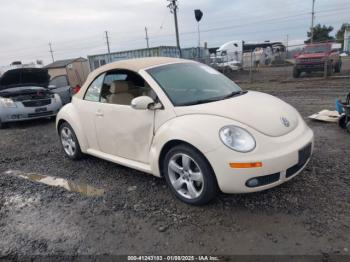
point(240, 91)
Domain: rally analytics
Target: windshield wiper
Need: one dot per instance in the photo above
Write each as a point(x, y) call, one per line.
point(234, 93)
point(197, 102)
point(203, 101)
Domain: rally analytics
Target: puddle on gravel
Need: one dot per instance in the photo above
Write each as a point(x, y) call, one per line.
point(84, 189)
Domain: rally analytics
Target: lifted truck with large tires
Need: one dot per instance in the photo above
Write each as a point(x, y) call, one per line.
point(317, 58)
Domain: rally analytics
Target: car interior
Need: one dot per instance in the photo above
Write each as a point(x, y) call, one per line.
point(122, 86)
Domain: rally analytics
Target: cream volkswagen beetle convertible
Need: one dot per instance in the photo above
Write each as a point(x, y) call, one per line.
point(184, 121)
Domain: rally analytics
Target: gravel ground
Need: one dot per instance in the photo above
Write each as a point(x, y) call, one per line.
point(138, 215)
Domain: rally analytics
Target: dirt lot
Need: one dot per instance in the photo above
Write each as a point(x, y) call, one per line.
point(137, 214)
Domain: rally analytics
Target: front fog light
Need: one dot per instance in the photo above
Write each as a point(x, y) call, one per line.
point(237, 138)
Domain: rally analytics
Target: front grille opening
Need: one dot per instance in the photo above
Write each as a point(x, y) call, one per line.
point(262, 180)
point(48, 113)
point(36, 103)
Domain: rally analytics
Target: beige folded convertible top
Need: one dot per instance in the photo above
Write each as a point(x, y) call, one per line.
point(140, 63)
point(130, 64)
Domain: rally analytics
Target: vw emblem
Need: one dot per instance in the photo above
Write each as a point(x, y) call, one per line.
point(285, 121)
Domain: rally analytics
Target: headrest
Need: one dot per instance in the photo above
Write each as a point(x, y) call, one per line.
point(119, 86)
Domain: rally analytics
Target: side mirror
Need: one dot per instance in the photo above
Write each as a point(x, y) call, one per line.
point(142, 102)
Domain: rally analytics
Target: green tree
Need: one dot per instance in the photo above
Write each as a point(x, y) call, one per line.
point(321, 34)
point(340, 34)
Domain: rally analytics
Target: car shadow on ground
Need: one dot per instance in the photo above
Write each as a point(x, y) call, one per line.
point(29, 123)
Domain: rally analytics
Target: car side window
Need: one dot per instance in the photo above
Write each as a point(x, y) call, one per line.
point(121, 86)
point(59, 81)
point(94, 90)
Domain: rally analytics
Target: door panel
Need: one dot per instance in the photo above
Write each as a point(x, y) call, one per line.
point(87, 115)
point(125, 132)
point(88, 110)
point(121, 130)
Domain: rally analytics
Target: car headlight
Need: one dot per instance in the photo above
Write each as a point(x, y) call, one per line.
point(237, 138)
point(7, 102)
point(57, 98)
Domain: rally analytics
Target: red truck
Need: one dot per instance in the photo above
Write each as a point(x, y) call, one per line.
point(314, 56)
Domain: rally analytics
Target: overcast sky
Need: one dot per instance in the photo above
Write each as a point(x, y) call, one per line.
point(76, 27)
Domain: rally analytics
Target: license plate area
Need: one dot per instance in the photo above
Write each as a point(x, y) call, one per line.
point(304, 154)
point(40, 110)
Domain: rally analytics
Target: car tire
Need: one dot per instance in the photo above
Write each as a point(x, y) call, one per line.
point(342, 122)
point(337, 68)
point(69, 142)
point(296, 73)
point(189, 175)
point(330, 70)
point(2, 125)
point(348, 127)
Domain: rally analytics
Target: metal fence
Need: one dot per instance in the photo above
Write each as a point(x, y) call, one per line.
point(194, 53)
point(256, 65)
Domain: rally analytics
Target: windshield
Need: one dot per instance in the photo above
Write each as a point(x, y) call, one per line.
point(192, 83)
point(315, 49)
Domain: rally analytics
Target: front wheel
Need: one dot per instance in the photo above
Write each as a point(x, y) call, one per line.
point(296, 72)
point(69, 142)
point(189, 175)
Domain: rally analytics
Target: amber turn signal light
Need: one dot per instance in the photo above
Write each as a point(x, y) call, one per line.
point(246, 165)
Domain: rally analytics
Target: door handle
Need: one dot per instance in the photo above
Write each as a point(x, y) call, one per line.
point(99, 113)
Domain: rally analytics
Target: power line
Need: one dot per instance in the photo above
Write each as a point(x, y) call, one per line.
point(88, 43)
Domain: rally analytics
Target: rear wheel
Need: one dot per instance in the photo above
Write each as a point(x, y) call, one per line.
point(189, 175)
point(342, 121)
point(337, 68)
point(296, 72)
point(69, 142)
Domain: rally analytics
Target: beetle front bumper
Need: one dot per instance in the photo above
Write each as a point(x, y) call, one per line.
point(280, 158)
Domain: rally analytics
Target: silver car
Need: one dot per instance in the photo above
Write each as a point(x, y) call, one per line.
point(25, 95)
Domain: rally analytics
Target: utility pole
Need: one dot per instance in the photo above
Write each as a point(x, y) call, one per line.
point(312, 21)
point(108, 48)
point(287, 46)
point(147, 39)
point(173, 9)
point(51, 51)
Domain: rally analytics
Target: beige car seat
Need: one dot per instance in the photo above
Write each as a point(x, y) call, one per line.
point(120, 93)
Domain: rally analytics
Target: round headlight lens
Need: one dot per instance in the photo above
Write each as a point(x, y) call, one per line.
point(237, 138)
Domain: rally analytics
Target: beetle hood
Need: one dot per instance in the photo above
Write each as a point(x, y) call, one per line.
point(265, 113)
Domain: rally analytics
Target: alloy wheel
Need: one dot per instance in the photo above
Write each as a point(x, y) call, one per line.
point(67, 140)
point(185, 176)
